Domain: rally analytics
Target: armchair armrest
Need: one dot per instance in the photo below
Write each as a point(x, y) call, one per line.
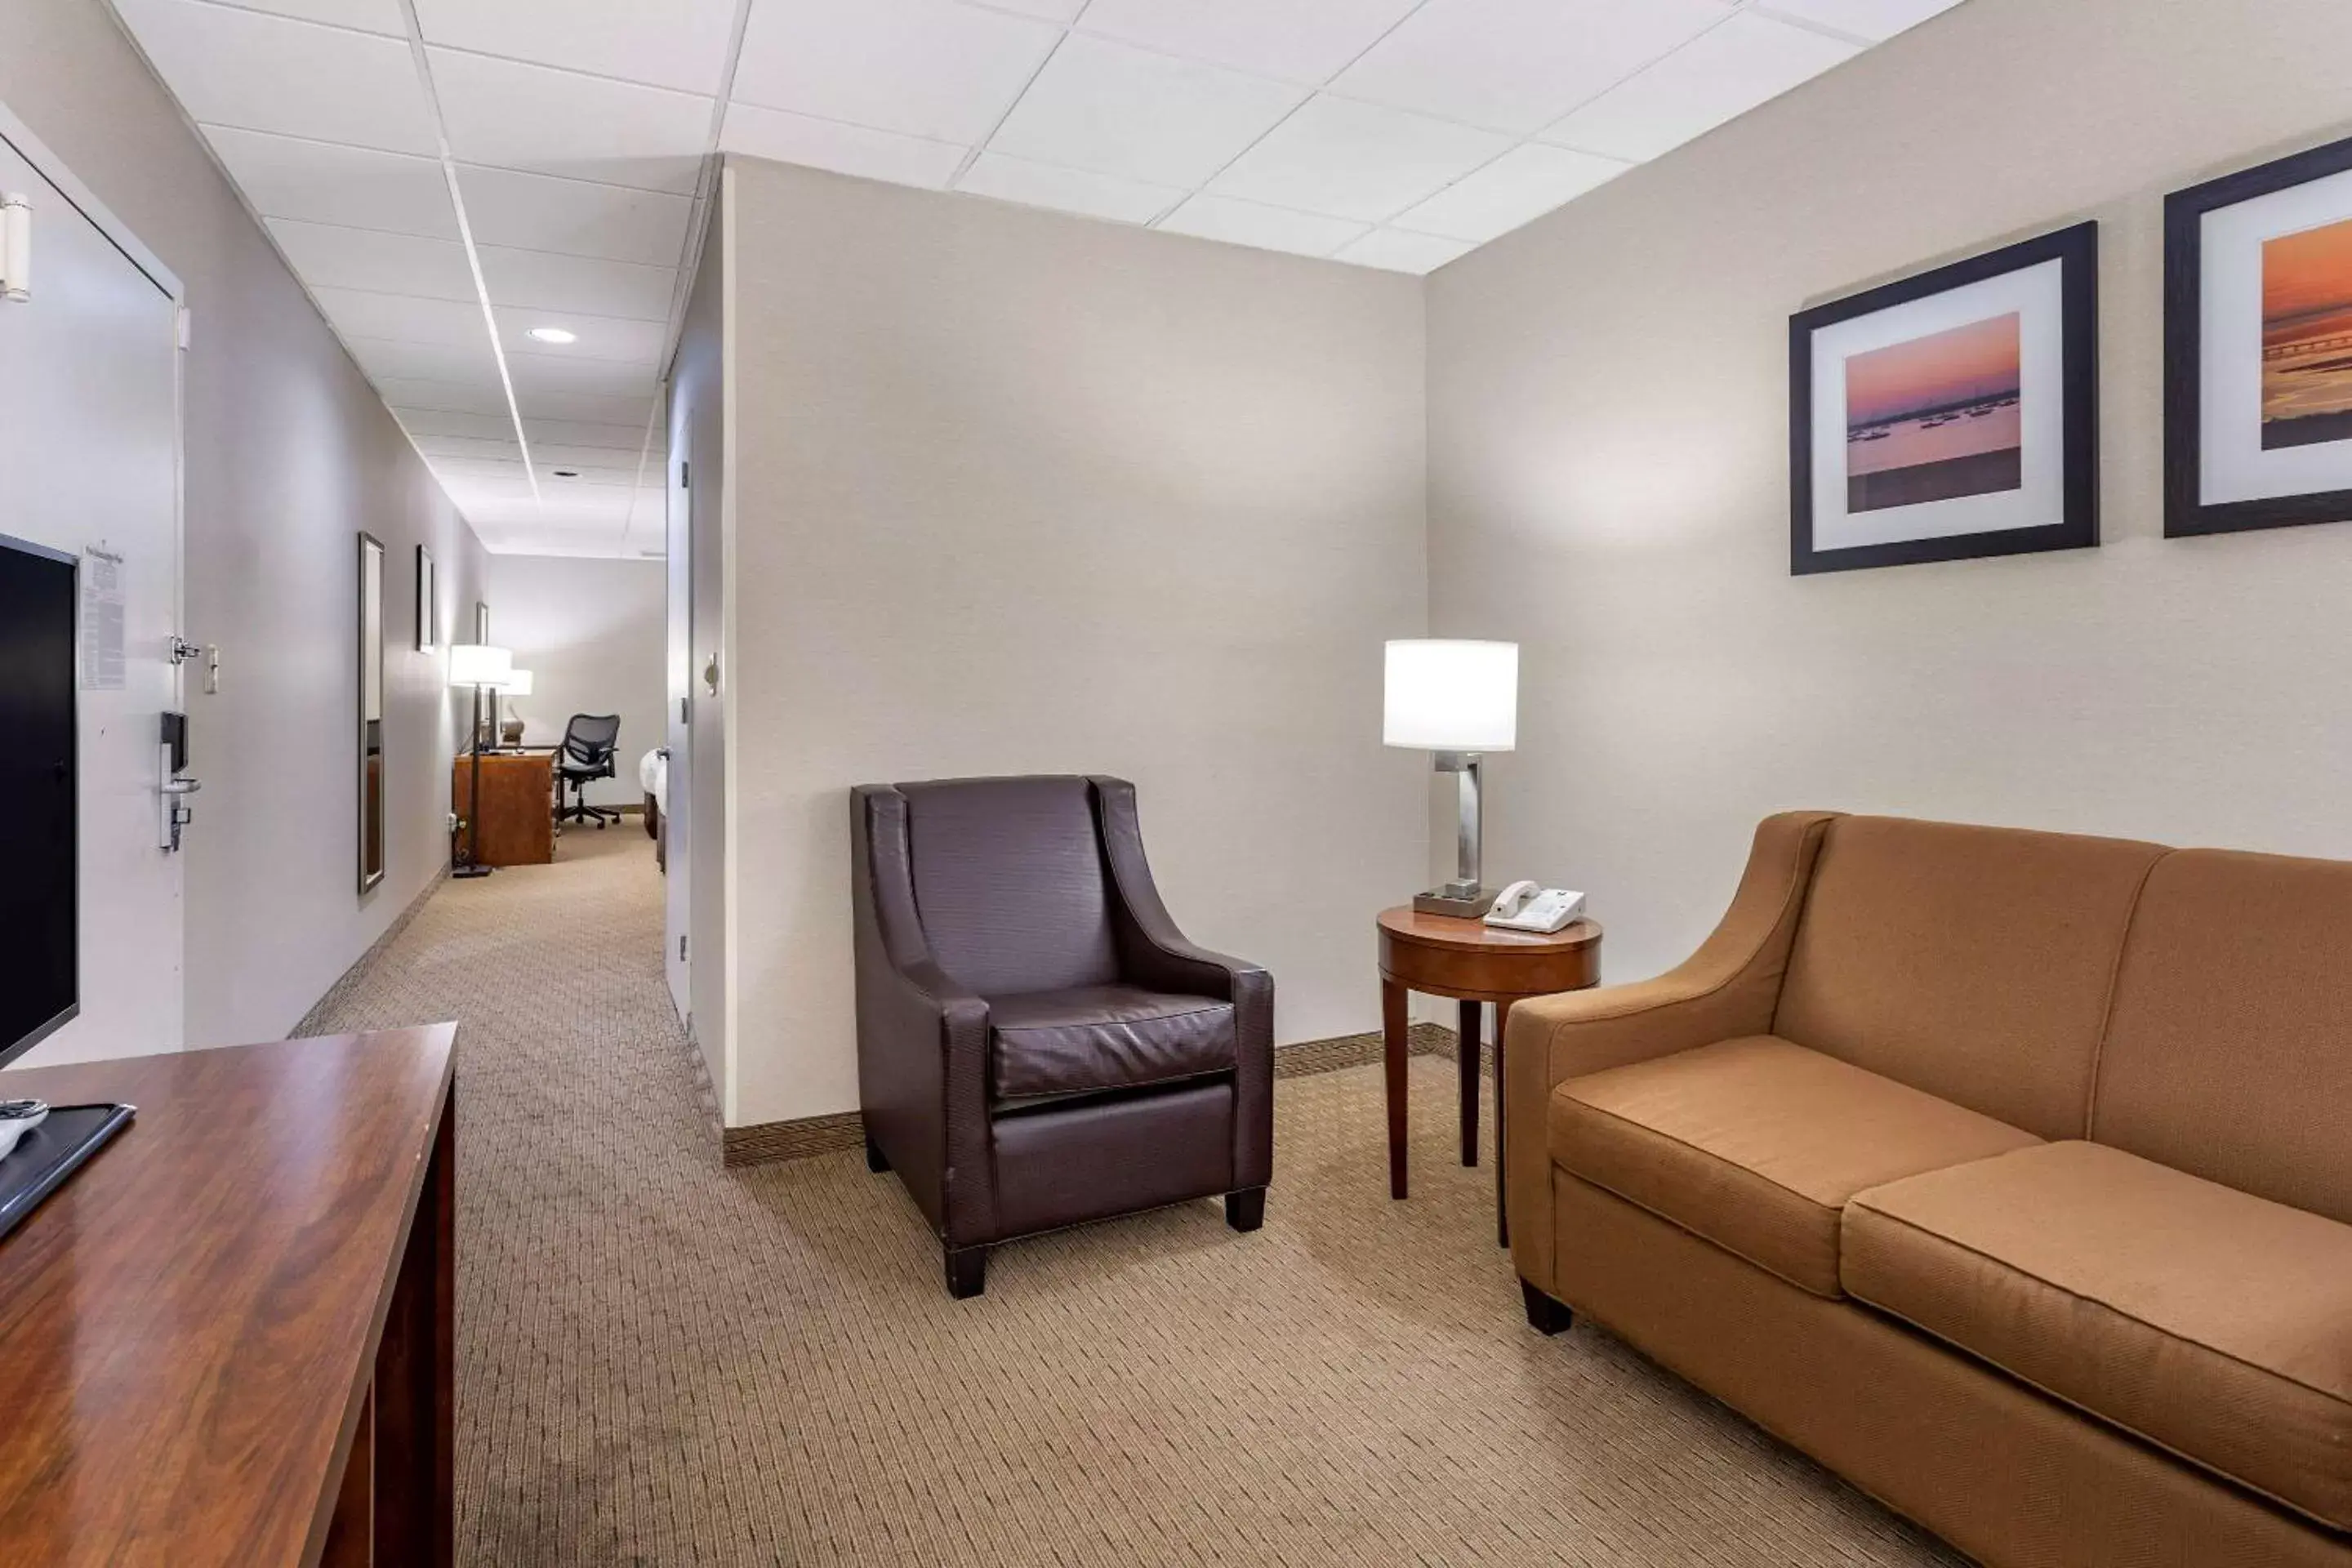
point(1729, 987)
point(922, 1038)
point(1154, 953)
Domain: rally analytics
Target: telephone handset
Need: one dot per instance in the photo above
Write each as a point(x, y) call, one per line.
point(1523, 906)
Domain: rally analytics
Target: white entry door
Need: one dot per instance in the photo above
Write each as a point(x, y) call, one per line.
point(678, 815)
point(90, 465)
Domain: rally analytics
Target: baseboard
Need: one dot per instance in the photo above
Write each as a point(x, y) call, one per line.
point(314, 1020)
point(767, 1142)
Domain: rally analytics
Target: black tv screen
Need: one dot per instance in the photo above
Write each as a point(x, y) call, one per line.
point(39, 897)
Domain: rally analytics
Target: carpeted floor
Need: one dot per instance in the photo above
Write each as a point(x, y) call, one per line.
point(665, 1362)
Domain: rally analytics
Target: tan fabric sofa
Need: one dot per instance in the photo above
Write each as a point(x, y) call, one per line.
point(2008, 1173)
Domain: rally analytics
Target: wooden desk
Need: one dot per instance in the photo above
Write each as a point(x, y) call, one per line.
point(1476, 963)
point(227, 1338)
point(518, 805)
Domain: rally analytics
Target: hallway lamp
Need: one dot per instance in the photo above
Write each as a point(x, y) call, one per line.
point(483, 668)
point(1461, 700)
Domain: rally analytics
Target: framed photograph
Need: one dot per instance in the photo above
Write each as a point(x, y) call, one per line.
point(428, 602)
point(1951, 415)
point(2258, 347)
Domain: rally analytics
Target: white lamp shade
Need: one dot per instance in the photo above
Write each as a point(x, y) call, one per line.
point(1453, 696)
point(516, 684)
point(479, 664)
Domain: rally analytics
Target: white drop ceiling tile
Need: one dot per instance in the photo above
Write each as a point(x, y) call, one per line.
point(1051, 10)
point(247, 69)
point(545, 280)
point(1355, 160)
point(589, 433)
point(1120, 110)
point(1395, 250)
point(318, 182)
point(603, 459)
point(517, 116)
point(1295, 40)
point(328, 256)
point(597, 337)
point(1078, 191)
point(539, 212)
point(439, 446)
point(422, 422)
point(538, 404)
point(1726, 72)
point(1265, 227)
point(592, 377)
point(925, 68)
point(1524, 183)
point(406, 318)
point(1518, 64)
point(473, 393)
point(844, 149)
point(402, 360)
point(668, 43)
point(368, 16)
point(1874, 19)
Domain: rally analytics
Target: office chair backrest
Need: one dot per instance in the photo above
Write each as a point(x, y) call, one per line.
point(589, 740)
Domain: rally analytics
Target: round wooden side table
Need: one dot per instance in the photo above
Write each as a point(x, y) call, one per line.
point(1474, 964)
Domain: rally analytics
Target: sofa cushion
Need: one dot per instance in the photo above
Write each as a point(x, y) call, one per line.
point(2212, 1323)
point(1973, 962)
point(2227, 1056)
point(1756, 1144)
point(1094, 1038)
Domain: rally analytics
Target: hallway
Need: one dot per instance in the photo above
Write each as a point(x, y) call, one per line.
point(661, 1363)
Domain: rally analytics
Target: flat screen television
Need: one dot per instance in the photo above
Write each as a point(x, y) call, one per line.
point(39, 831)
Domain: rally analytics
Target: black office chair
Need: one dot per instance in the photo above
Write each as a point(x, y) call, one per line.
point(588, 742)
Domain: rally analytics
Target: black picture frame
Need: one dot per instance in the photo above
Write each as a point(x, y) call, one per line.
point(2185, 515)
point(2076, 250)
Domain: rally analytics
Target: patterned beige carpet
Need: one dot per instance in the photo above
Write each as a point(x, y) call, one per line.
point(664, 1363)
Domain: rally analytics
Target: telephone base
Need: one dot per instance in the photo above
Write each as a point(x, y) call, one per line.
point(1445, 901)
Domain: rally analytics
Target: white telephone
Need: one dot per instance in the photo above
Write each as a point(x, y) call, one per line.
point(1523, 906)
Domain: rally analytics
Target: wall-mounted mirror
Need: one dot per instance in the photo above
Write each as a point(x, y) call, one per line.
point(371, 694)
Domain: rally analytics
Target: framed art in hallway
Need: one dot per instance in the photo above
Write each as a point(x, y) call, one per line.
point(2258, 347)
point(428, 602)
point(1950, 414)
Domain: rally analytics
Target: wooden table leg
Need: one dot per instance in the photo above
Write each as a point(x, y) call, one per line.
point(1393, 1041)
point(1467, 1040)
point(1502, 1213)
point(415, 1404)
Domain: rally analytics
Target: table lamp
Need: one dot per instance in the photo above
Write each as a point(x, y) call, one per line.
point(483, 668)
point(1461, 700)
point(518, 683)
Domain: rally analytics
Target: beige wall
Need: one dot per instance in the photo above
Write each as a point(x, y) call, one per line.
point(290, 454)
point(1019, 492)
point(1608, 398)
point(590, 631)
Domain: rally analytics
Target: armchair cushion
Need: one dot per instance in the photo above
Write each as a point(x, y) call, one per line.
point(1094, 1037)
point(1756, 1144)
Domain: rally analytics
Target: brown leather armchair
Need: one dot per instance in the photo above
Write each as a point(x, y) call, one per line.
point(1037, 1044)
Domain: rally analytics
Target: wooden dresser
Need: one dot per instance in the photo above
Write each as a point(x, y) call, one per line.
point(228, 1340)
point(518, 805)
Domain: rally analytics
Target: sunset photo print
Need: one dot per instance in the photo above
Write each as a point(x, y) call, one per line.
point(1935, 419)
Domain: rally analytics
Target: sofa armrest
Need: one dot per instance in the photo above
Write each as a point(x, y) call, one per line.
point(1729, 987)
point(922, 1037)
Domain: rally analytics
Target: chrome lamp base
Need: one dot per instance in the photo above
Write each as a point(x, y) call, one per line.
point(1464, 903)
point(1462, 897)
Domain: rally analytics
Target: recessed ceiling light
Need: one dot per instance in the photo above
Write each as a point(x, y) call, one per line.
point(554, 335)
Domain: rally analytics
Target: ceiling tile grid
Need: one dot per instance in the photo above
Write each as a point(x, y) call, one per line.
point(495, 202)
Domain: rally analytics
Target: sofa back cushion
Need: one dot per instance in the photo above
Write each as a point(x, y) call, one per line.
point(1009, 882)
point(2229, 1052)
point(1973, 962)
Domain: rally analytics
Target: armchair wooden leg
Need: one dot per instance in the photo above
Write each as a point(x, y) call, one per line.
point(1246, 1210)
point(1545, 1315)
point(967, 1271)
point(874, 1159)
